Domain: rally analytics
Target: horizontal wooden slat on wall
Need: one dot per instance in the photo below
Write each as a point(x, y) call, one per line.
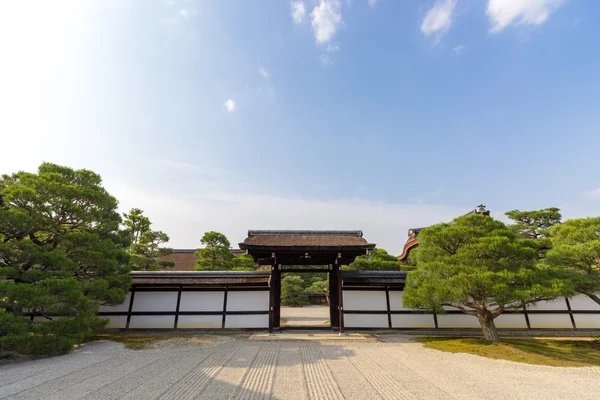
point(186, 308)
point(367, 310)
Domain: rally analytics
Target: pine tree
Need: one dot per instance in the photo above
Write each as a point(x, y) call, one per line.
point(61, 254)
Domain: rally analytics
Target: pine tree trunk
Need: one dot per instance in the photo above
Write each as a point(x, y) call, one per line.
point(488, 327)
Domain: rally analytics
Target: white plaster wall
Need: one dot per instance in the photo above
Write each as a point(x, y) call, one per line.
point(247, 321)
point(513, 321)
point(457, 321)
point(199, 321)
point(248, 301)
point(550, 321)
point(588, 321)
point(413, 321)
point(365, 320)
point(364, 300)
point(396, 297)
point(557, 304)
point(118, 308)
point(117, 321)
point(152, 321)
point(201, 301)
point(155, 301)
point(450, 308)
point(583, 303)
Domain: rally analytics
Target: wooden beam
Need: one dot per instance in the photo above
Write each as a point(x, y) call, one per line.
point(341, 297)
point(277, 299)
point(177, 308)
point(334, 316)
point(224, 307)
point(130, 307)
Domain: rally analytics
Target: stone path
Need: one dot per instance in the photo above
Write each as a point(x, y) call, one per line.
point(239, 368)
point(305, 316)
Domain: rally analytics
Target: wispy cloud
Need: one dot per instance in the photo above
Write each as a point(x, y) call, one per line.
point(298, 11)
point(435, 194)
point(438, 19)
point(327, 56)
point(225, 206)
point(592, 194)
point(372, 3)
point(175, 16)
point(264, 72)
point(229, 105)
point(458, 49)
point(526, 12)
point(326, 19)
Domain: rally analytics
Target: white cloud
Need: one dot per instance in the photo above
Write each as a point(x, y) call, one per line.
point(222, 206)
point(184, 13)
point(264, 72)
point(438, 18)
point(372, 3)
point(230, 105)
point(298, 11)
point(592, 194)
point(527, 12)
point(326, 19)
point(327, 57)
point(332, 48)
point(458, 49)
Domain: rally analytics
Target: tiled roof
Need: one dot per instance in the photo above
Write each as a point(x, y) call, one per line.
point(391, 278)
point(304, 239)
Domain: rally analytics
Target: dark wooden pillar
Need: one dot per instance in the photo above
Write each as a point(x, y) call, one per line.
point(271, 303)
point(276, 293)
point(340, 298)
point(177, 308)
point(334, 295)
point(131, 298)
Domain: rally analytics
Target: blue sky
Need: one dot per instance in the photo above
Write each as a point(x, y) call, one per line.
point(316, 114)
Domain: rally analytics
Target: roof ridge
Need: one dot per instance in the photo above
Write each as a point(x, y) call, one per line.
point(353, 233)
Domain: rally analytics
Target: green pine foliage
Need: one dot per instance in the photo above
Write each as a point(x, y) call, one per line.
point(243, 263)
point(61, 254)
point(575, 254)
point(534, 227)
point(477, 265)
point(145, 244)
point(216, 255)
point(377, 260)
point(293, 292)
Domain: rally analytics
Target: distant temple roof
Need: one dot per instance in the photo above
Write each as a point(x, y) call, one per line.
point(413, 233)
point(185, 259)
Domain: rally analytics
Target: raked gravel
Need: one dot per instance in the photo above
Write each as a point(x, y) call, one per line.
point(240, 368)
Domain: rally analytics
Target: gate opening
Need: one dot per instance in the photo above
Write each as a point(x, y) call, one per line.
point(305, 301)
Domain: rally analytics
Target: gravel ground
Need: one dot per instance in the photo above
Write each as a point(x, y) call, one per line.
point(305, 316)
point(240, 368)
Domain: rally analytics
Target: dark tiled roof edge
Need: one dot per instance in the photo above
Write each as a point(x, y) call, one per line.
point(305, 233)
point(375, 274)
point(191, 251)
point(199, 274)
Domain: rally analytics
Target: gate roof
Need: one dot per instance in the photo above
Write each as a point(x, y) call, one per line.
point(305, 247)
